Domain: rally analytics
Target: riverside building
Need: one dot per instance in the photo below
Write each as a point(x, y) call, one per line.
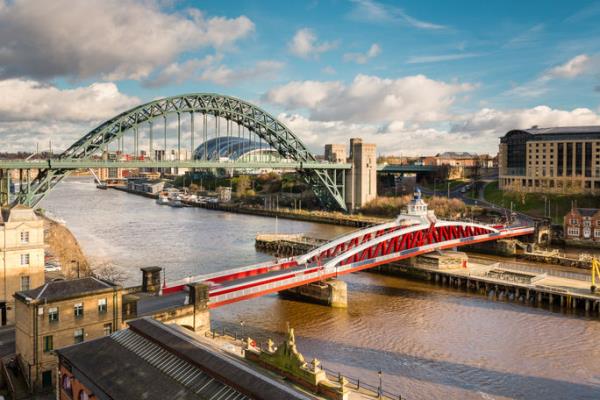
point(551, 160)
point(59, 314)
point(21, 256)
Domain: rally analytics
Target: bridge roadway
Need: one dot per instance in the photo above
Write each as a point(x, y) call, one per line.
point(73, 164)
point(356, 251)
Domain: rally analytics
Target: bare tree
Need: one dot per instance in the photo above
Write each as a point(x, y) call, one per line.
point(109, 272)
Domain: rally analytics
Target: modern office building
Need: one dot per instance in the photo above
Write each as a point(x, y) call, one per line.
point(552, 160)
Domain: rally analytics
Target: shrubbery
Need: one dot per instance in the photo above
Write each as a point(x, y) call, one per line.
point(391, 206)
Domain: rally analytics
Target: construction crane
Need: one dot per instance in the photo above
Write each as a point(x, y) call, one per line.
point(595, 271)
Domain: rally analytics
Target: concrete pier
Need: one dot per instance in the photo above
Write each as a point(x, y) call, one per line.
point(332, 293)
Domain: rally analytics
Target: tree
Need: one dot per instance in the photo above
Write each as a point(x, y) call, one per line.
point(243, 184)
point(109, 272)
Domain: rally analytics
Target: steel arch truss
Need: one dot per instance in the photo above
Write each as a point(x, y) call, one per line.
point(271, 130)
point(405, 241)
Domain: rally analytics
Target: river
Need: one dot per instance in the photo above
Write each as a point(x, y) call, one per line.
point(429, 342)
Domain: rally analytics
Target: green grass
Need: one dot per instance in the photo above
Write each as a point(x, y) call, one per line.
point(533, 203)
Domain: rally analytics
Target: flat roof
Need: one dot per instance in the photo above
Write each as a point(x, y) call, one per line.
point(591, 132)
point(151, 360)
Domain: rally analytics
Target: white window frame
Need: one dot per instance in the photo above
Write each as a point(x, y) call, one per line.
point(78, 310)
point(75, 336)
point(25, 259)
point(102, 305)
point(597, 233)
point(24, 237)
point(28, 282)
point(573, 231)
point(53, 314)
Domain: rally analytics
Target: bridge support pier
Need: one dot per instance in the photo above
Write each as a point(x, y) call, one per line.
point(333, 293)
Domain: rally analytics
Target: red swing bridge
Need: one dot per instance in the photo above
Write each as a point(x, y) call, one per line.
point(416, 231)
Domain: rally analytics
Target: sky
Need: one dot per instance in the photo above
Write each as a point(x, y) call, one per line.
point(414, 77)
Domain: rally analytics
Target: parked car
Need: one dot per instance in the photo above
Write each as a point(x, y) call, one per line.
point(52, 266)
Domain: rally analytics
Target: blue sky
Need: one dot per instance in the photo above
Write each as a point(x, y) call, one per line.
point(415, 77)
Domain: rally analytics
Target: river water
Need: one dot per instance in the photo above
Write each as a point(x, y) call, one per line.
point(429, 342)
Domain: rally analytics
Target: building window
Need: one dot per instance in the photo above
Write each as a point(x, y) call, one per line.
point(78, 335)
point(25, 237)
point(25, 259)
point(53, 314)
point(573, 232)
point(597, 233)
point(574, 222)
point(48, 344)
point(78, 310)
point(24, 283)
point(108, 327)
point(83, 395)
point(587, 223)
point(102, 306)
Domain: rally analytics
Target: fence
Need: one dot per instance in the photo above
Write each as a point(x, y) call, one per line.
point(353, 383)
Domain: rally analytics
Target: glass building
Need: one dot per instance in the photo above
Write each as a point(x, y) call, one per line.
point(229, 148)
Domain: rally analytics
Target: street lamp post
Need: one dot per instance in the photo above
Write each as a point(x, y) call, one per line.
point(76, 262)
point(380, 389)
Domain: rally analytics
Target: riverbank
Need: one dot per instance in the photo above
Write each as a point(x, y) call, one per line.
point(64, 248)
point(324, 217)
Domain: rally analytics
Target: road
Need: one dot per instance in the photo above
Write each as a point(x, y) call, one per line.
point(456, 193)
point(7, 340)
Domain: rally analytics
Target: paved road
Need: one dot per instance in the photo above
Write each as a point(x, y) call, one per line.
point(7, 340)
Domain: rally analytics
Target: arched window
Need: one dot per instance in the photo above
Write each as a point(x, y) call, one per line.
point(83, 395)
point(66, 385)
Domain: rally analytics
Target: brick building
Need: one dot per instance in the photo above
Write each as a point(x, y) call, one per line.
point(582, 224)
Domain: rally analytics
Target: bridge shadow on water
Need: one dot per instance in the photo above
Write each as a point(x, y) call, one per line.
point(417, 289)
point(440, 372)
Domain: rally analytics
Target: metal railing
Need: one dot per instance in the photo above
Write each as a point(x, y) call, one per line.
point(542, 270)
point(357, 384)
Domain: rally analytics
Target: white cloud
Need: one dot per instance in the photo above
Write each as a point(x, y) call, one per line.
point(578, 65)
point(477, 132)
point(329, 70)
point(527, 38)
point(396, 137)
point(304, 44)
point(371, 99)
point(32, 112)
point(363, 58)
point(210, 69)
point(440, 58)
point(28, 100)
point(369, 10)
point(181, 72)
point(492, 122)
point(223, 75)
point(114, 39)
